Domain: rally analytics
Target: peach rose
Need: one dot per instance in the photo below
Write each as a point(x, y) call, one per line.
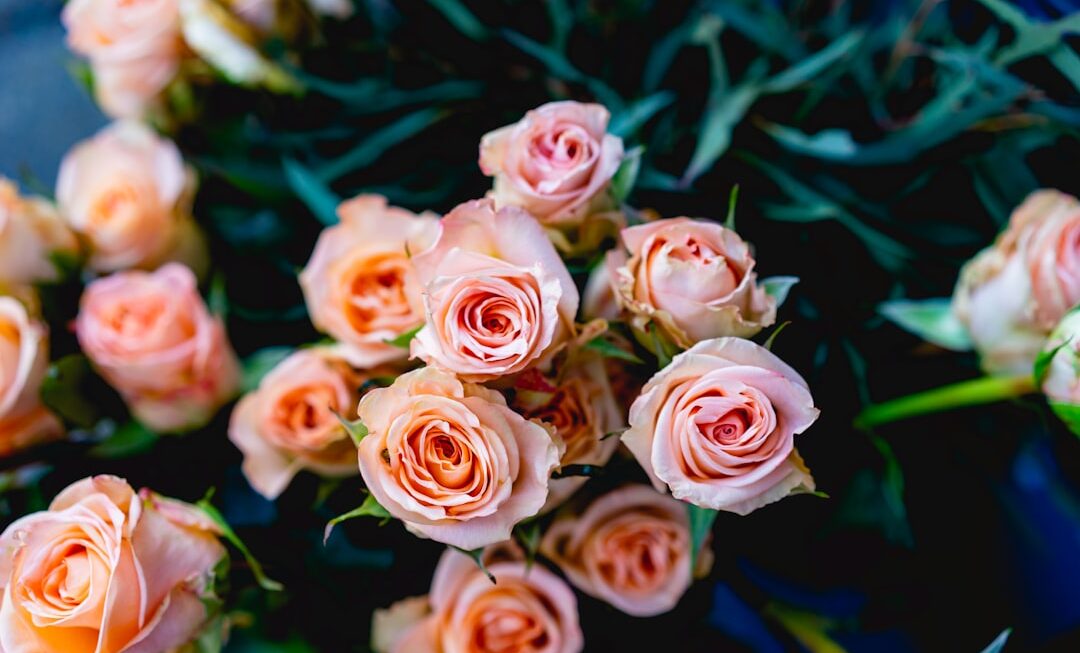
point(134, 48)
point(104, 571)
point(451, 460)
point(556, 163)
point(580, 407)
point(630, 548)
point(717, 427)
point(498, 298)
point(291, 422)
point(528, 610)
point(360, 285)
point(694, 279)
point(24, 357)
point(1012, 294)
point(31, 233)
point(128, 192)
point(152, 338)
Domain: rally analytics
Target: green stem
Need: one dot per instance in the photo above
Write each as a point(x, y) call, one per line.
point(984, 390)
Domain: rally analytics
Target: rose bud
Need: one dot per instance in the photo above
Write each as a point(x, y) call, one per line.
point(497, 297)
point(692, 279)
point(528, 610)
point(128, 193)
point(134, 50)
point(24, 357)
point(580, 406)
point(1058, 370)
point(104, 569)
point(360, 286)
point(152, 338)
point(1013, 293)
point(292, 421)
point(629, 548)
point(451, 460)
point(717, 427)
point(32, 235)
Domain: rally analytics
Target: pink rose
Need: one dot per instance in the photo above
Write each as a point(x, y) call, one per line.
point(528, 610)
point(360, 285)
point(293, 420)
point(630, 548)
point(152, 338)
point(556, 163)
point(128, 192)
point(579, 405)
point(1013, 293)
point(693, 279)
point(134, 48)
point(497, 296)
point(1061, 377)
point(717, 427)
point(103, 571)
point(451, 460)
point(31, 233)
point(24, 357)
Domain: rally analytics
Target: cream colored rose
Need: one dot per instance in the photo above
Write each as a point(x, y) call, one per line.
point(103, 570)
point(451, 460)
point(24, 357)
point(498, 299)
point(128, 193)
point(629, 548)
point(556, 163)
point(579, 405)
point(528, 610)
point(693, 279)
point(134, 48)
point(360, 285)
point(1012, 294)
point(717, 427)
point(31, 235)
point(152, 338)
point(293, 420)
point(1059, 367)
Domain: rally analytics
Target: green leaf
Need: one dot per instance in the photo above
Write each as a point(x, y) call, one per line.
point(404, 339)
point(1043, 360)
point(315, 194)
point(810, 67)
point(369, 508)
point(931, 319)
point(998, 645)
point(375, 144)
point(355, 428)
point(461, 18)
point(662, 348)
point(1068, 413)
point(608, 349)
point(559, 66)
point(259, 364)
point(130, 439)
point(528, 534)
point(779, 288)
point(62, 390)
point(478, 557)
point(701, 523)
point(772, 336)
point(230, 536)
point(733, 199)
point(720, 118)
point(628, 121)
point(626, 176)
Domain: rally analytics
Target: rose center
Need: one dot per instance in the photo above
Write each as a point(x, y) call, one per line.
point(377, 292)
point(305, 415)
point(509, 630)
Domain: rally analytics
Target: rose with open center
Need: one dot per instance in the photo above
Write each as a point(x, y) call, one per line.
point(104, 570)
point(451, 460)
point(694, 279)
point(717, 427)
point(497, 297)
point(528, 610)
point(24, 357)
point(630, 548)
point(360, 286)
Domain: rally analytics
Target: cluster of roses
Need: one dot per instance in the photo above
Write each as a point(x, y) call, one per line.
point(521, 381)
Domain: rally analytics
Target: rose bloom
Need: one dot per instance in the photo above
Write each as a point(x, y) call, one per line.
point(134, 48)
point(527, 610)
point(556, 163)
point(293, 420)
point(31, 234)
point(498, 298)
point(1012, 294)
point(694, 279)
point(1061, 380)
point(580, 406)
point(128, 193)
point(360, 286)
point(24, 357)
point(104, 570)
point(629, 548)
point(152, 338)
point(451, 460)
point(717, 427)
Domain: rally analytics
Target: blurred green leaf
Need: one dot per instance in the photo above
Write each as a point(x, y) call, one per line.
point(1069, 414)
point(622, 184)
point(130, 439)
point(369, 508)
point(230, 536)
point(779, 287)
point(701, 523)
point(559, 66)
point(373, 145)
point(259, 364)
point(317, 196)
point(608, 349)
point(932, 320)
point(403, 341)
point(998, 645)
point(461, 18)
point(810, 67)
point(718, 122)
point(63, 390)
point(478, 557)
point(628, 121)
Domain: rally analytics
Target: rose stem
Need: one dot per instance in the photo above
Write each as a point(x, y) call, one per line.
point(984, 390)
